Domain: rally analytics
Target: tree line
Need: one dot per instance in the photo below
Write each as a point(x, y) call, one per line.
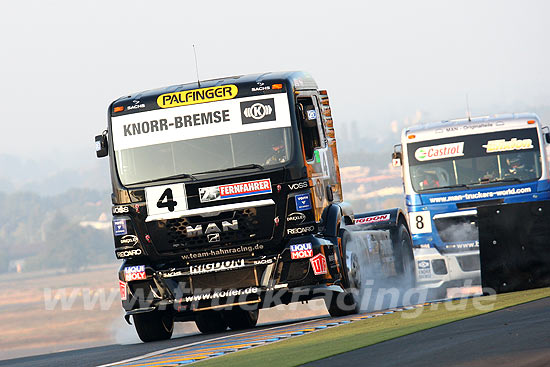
point(46, 232)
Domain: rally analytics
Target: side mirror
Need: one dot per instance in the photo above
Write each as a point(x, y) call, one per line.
point(396, 159)
point(546, 133)
point(397, 156)
point(101, 148)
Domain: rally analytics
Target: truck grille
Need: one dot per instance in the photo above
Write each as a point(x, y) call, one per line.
point(253, 224)
point(457, 229)
point(469, 262)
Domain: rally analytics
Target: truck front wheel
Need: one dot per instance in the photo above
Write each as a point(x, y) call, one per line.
point(210, 322)
point(404, 258)
point(348, 302)
point(239, 319)
point(153, 326)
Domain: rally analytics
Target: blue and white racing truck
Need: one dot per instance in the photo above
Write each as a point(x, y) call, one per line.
point(452, 168)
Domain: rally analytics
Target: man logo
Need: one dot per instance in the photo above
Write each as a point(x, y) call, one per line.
point(258, 111)
point(213, 237)
point(211, 229)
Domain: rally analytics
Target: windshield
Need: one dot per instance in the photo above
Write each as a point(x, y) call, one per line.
point(470, 161)
point(265, 148)
point(185, 141)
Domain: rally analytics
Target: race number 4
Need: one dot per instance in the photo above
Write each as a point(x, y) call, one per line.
point(165, 200)
point(420, 222)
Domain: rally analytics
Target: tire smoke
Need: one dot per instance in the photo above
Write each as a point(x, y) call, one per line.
point(381, 286)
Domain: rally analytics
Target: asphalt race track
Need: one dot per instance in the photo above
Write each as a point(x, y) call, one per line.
point(516, 336)
point(115, 353)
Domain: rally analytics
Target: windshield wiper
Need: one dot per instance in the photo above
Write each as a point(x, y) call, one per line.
point(508, 179)
point(244, 166)
point(445, 187)
point(179, 175)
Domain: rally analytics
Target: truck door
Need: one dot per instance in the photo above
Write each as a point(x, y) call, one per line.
point(318, 157)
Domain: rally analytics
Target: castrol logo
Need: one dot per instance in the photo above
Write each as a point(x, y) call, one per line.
point(439, 151)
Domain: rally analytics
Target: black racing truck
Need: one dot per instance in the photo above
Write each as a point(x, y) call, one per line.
point(227, 199)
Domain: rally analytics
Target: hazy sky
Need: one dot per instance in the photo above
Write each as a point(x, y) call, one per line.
point(64, 61)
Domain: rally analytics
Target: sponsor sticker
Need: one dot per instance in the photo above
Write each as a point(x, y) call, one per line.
point(424, 269)
point(195, 96)
point(160, 126)
point(296, 218)
point(216, 266)
point(374, 219)
point(136, 106)
point(298, 185)
point(439, 151)
point(461, 246)
point(221, 294)
point(129, 240)
point(300, 230)
point(319, 264)
point(258, 111)
point(245, 250)
point(261, 87)
point(263, 261)
point(303, 202)
point(172, 274)
point(504, 146)
point(122, 288)
point(134, 273)
point(301, 251)
point(121, 209)
point(145, 128)
point(236, 190)
point(128, 253)
point(119, 226)
point(481, 195)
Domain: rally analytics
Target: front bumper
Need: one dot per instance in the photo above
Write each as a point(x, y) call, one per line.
point(262, 281)
point(437, 270)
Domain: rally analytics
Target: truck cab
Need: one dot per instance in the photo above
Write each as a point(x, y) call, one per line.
point(453, 168)
point(224, 192)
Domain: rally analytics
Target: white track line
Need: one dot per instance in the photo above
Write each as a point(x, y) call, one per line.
point(167, 350)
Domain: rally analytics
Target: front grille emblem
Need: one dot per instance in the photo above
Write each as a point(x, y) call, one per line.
point(213, 237)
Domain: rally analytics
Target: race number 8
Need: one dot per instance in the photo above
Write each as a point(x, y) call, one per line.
point(420, 222)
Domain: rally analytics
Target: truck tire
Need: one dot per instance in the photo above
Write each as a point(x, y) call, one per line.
point(348, 302)
point(239, 319)
point(404, 257)
point(210, 322)
point(154, 325)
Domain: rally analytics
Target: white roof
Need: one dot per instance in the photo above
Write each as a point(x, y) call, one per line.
point(465, 126)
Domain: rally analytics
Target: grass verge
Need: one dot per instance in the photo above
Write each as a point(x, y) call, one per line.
point(329, 342)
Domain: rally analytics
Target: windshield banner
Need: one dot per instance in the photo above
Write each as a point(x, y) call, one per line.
point(200, 120)
point(471, 146)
